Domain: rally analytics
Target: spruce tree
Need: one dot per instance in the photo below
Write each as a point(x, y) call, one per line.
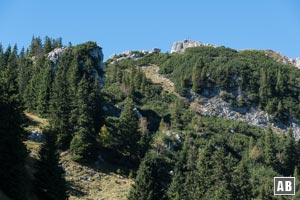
point(192, 180)
point(129, 126)
point(297, 184)
point(241, 181)
point(82, 144)
point(13, 176)
point(43, 97)
point(290, 155)
point(49, 182)
point(24, 74)
point(197, 77)
point(152, 179)
point(264, 87)
point(36, 47)
point(60, 103)
point(176, 190)
point(269, 148)
point(47, 45)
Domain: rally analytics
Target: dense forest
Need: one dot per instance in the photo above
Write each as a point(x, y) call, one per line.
point(171, 151)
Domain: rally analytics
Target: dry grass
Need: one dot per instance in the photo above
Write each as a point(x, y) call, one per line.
point(94, 182)
point(35, 122)
point(86, 182)
point(151, 72)
point(33, 148)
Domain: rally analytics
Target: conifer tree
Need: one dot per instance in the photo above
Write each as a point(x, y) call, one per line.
point(290, 155)
point(49, 182)
point(151, 180)
point(47, 45)
point(264, 87)
point(129, 126)
point(192, 180)
point(82, 144)
point(36, 47)
point(205, 167)
point(176, 190)
point(269, 148)
point(280, 83)
point(197, 77)
point(13, 176)
point(24, 74)
point(60, 103)
point(43, 97)
point(241, 180)
point(297, 184)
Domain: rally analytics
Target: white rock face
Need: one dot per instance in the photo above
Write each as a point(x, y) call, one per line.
point(98, 55)
point(134, 55)
point(54, 55)
point(216, 106)
point(180, 46)
point(277, 56)
point(296, 62)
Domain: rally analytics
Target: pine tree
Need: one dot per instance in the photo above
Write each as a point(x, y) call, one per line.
point(205, 167)
point(280, 112)
point(82, 144)
point(264, 88)
point(74, 77)
point(297, 184)
point(57, 43)
point(60, 104)
point(269, 148)
point(13, 176)
point(280, 86)
point(176, 190)
point(6, 55)
point(36, 47)
point(1, 57)
point(129, 126)
point(197, 77)
point(48, 45)
point(24, 74)
point(176, 121)
point(45, 85)
point(222, 174)
point(241, 181)
point(192, 180)
point(290, 153)
point(105, 136)
point(10, 74)
point(151, 180)
point(49, 182)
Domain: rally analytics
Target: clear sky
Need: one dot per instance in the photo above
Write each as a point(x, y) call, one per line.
point(120, 25)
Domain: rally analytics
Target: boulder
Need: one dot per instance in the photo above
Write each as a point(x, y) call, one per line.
point(181, 46)
point(54, 55)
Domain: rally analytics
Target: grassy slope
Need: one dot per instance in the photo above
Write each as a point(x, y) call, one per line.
point(98, 181)
point(151, 72)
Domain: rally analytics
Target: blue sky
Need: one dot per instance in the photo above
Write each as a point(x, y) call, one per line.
point(119, 25)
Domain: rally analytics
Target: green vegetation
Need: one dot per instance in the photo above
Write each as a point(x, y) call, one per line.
point(135, 127)
point(49, 180)
point(254, 77)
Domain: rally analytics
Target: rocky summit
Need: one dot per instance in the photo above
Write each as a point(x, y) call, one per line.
point(180, 46)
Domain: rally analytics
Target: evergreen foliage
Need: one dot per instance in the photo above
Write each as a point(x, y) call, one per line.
point(183, 155)
point(13, 176)
point(49, 182)
point(151, 180)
